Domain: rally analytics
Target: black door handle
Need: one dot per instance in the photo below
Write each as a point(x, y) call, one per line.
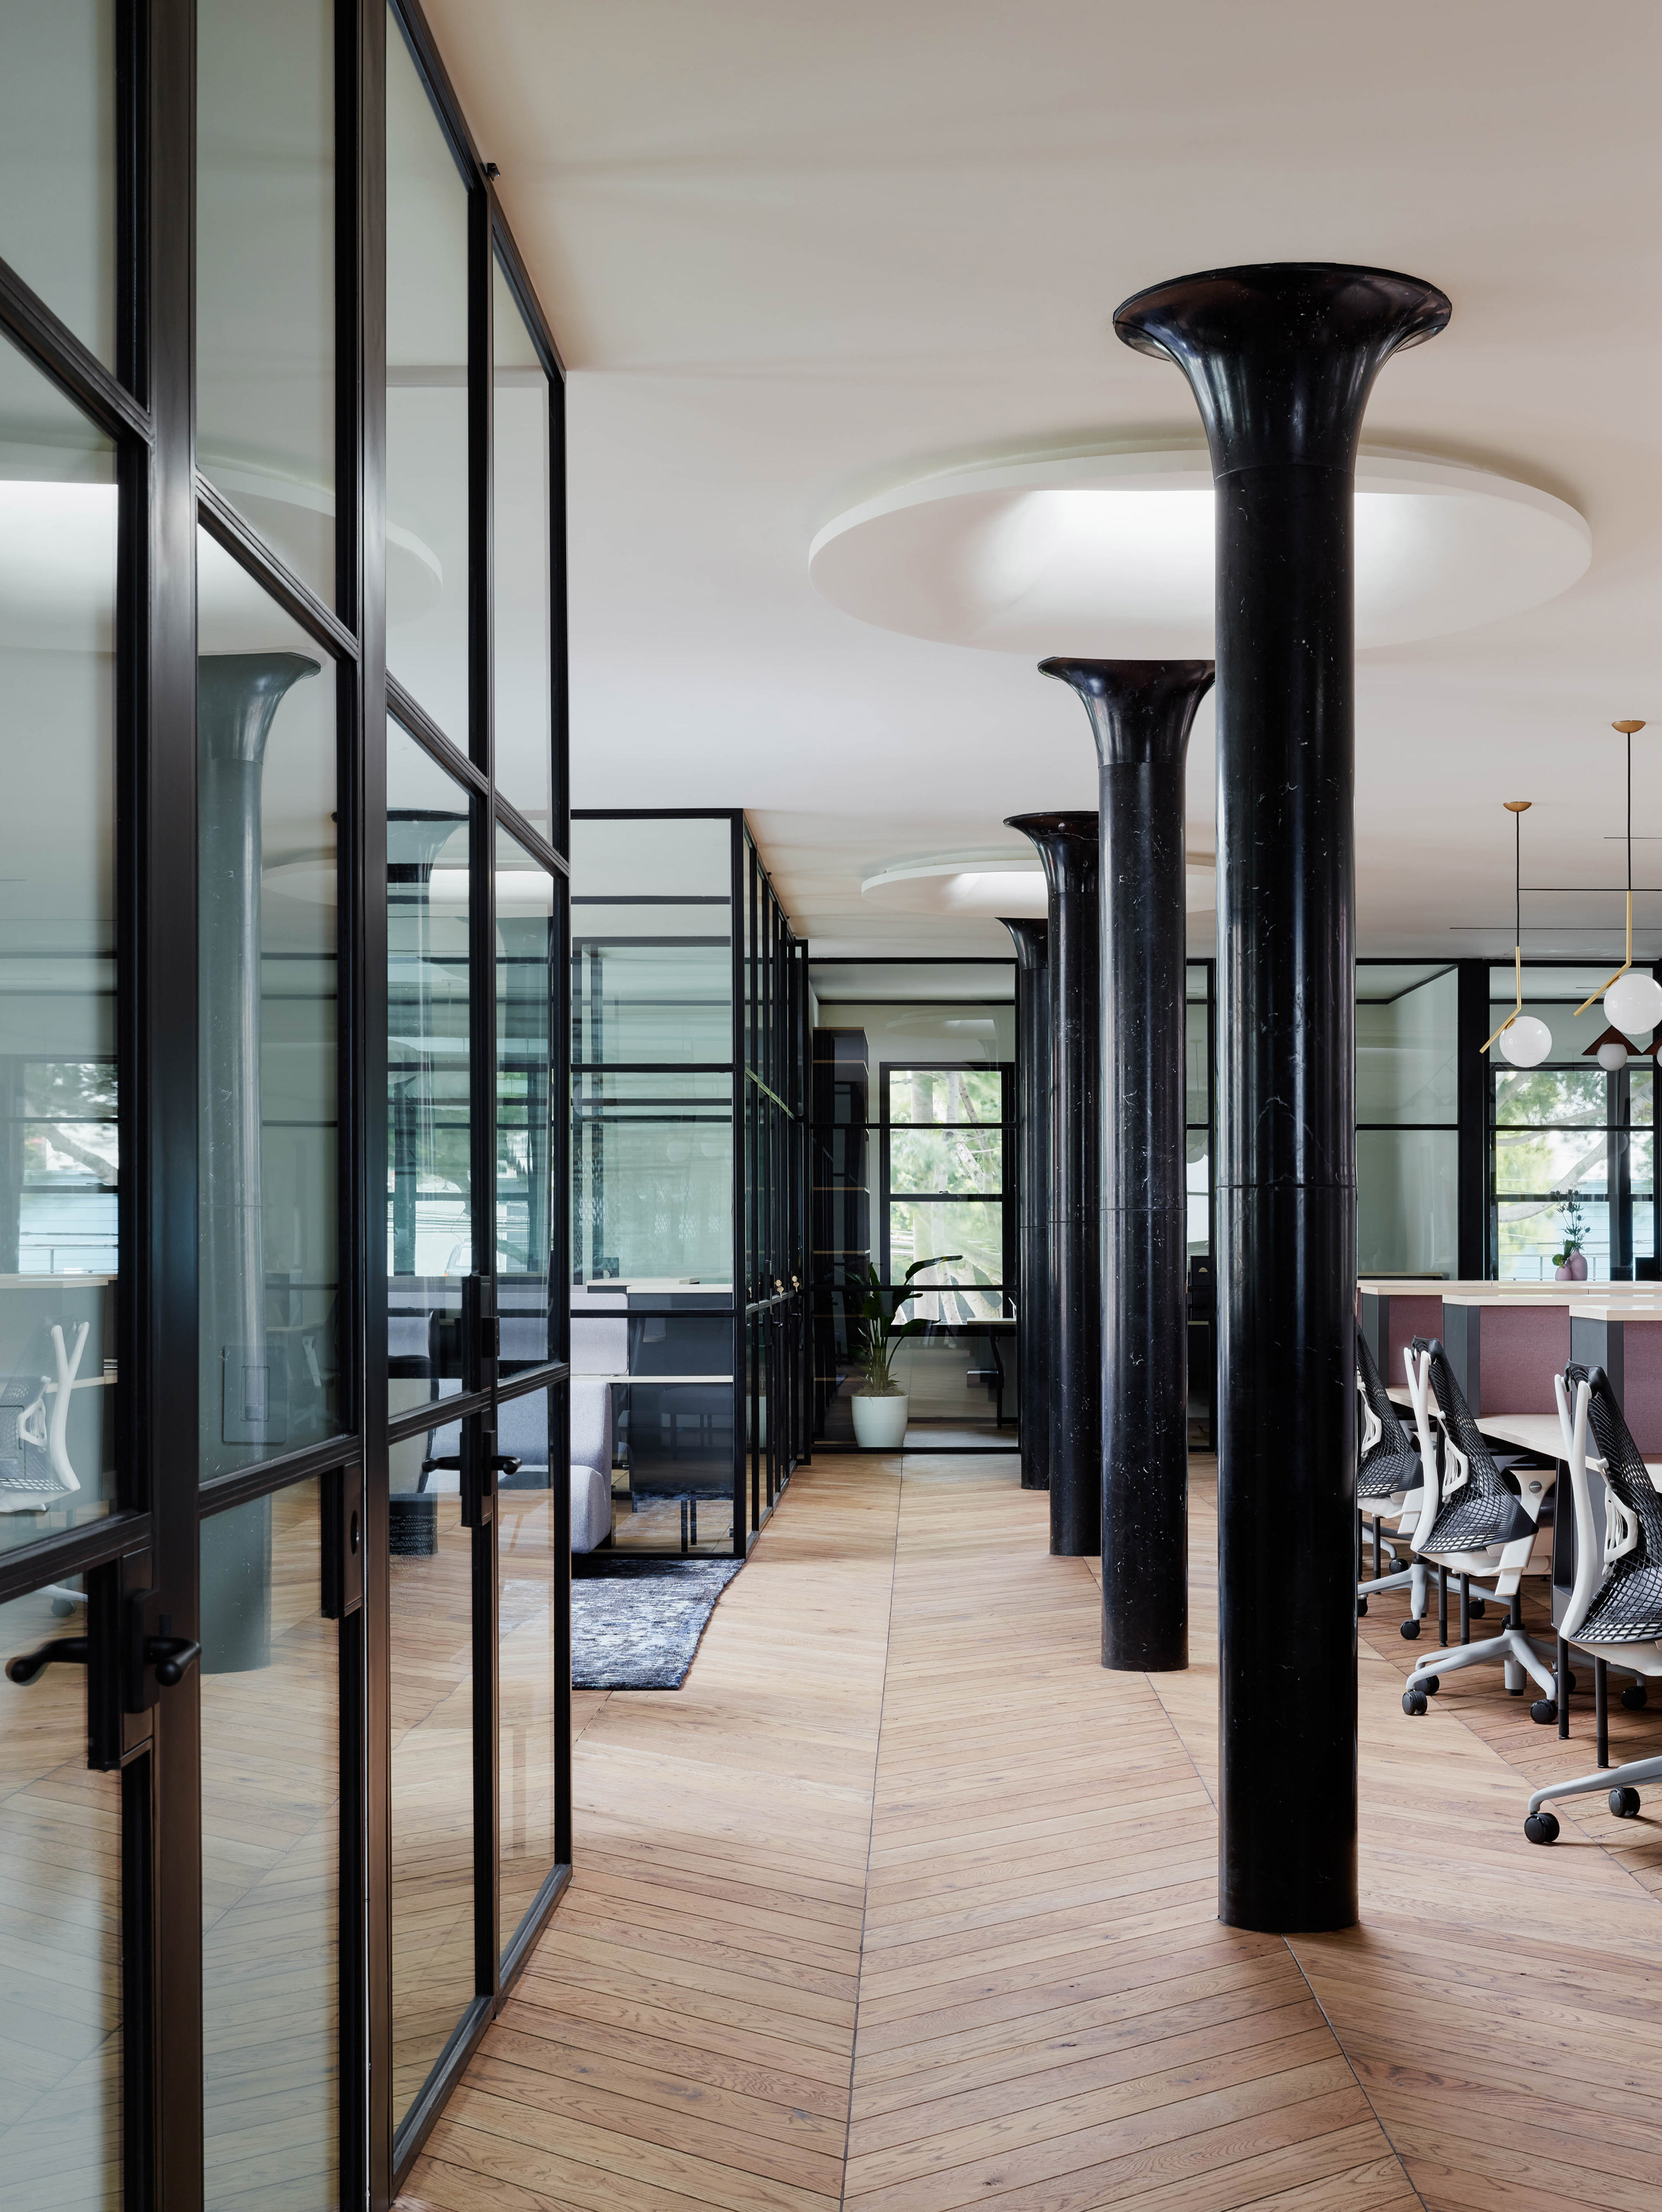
point(29, 1666)
point(170, 1655)
point(504, 1463)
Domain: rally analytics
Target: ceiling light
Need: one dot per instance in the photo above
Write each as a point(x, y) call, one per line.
point(1522, 1040)
point(1111, 554)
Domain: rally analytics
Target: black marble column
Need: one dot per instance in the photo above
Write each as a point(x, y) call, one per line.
point(1067, 847)
point(1281, 360)
point(1140, 713)
point(1033, 1327)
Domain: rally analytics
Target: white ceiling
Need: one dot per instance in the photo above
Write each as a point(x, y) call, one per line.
point(796, 255)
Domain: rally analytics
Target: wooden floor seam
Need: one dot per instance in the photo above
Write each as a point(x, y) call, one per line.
point(903, 1904)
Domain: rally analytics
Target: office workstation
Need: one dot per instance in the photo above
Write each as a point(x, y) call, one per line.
point(830, 993)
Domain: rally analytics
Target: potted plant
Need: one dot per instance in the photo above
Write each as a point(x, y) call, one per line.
point(1572, 1261)
point(880, 1404)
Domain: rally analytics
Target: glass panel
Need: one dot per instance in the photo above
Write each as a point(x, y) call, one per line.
point(1641, 1097)
point(946, 1094)
point(1197, 1094)
point(427, 412)
point(524, 986)
point(429, 1167)
point(57, 1092)
point(973, 1228)
point(57, 159)
point(1642, 1155)
point(639, 1002)
point(1532, 1098)
point(1407, 1193)
point(1407, 1048)
point(1198, 1156)
point(270, 1198)
point(521, 578)
point(265, 270)
point(431, 1598)
point(1542, 1161)
point(653, 1191)
point(270, 1857)
point(60, 1932)
point(932, 1161)
point(527, 1562)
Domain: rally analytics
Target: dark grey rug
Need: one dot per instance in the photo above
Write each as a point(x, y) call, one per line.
point(637, 1626)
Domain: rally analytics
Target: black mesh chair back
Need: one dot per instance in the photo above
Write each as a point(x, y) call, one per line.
point(1392, 1464)
point(1482, 1510)
point(1627, 1606)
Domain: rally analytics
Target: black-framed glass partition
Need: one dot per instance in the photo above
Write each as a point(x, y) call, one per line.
point(1571, 1146)
point(913, 1157)
point(284, 1495)
point(687, 1265)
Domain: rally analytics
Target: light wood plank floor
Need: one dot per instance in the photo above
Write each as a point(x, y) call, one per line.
point(903, 1904)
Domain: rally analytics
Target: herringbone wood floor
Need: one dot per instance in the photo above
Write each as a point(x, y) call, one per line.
point(903, 1904)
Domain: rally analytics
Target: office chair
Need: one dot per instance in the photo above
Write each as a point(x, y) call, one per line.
point(1389, 1478)
point(1615, 1610)
point(1474, 1520)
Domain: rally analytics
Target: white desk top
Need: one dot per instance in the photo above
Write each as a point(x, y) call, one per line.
point(1536, 1432)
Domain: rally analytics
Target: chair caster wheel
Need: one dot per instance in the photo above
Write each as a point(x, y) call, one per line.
point(1624, 1803)
point(1541, 1828)
point(1411, 1629)
point(1569, 1681)
point(62, 1607)
point(1414, 1701)
point(1544, 1709)
point(1431, 1684)
point(1634, 1696)
point(1477, 1608)
point(1361, 1608)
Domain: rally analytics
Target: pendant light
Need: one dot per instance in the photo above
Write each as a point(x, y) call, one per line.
point(1522, 1040)
point(1633, 1002)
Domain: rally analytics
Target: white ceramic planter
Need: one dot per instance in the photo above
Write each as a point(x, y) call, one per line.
point(879, 1423)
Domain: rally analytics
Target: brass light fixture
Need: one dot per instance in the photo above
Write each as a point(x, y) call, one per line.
point(1524, 1040)
point(1633, 1002)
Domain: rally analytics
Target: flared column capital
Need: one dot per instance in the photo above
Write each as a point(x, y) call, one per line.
point(1281, 355)
point(1141, 711)
point(238, 695)
point(1069, 846)
point(1031, 937)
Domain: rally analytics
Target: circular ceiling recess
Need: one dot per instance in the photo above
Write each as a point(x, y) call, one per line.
point(1110, 554)
point(999, 884)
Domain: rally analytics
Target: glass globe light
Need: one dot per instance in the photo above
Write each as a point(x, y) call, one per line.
point(1633, 1002)
point(1526, 1041)
point(1612, 1057)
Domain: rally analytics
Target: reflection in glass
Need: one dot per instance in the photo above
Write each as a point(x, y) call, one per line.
point(1197, 1170)
point(428, 1051)
point(939, 1162)
point(1407, 1045)
point(1407, 1194)
point(60, 1967)
point(527, 1563)
point(270, 1851)
point(58, 1039)
point(431, 1599)
point(946, 1094)
point(971, 1228)
point(57, 159)
point(427, 412)
point(1539, 1097)
point(525, 984)
point(266, 841)
point(1196, 1090)
point(521, 577)
point(265, 271)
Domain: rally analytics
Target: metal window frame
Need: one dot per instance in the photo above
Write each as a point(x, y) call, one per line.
point(145, 404)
